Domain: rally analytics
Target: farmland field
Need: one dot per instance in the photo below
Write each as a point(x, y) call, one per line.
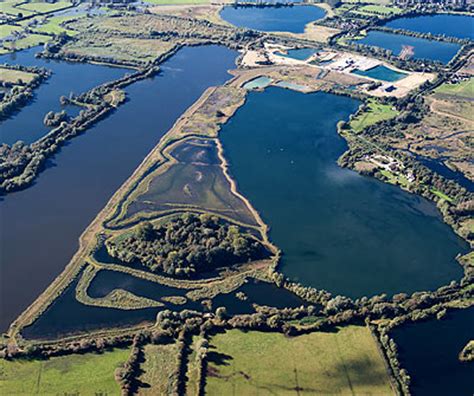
point(87, 374)
point(159, 368)
point(346, 362)
point(13, 76)
point(41, 8)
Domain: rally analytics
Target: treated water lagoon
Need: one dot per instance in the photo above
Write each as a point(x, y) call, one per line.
point(338, 230)
point(67, 77)
point(381, 72)
point(423, 48)
point(272, 19)
point(88, 170)
point(460, 26)
point(429, 351)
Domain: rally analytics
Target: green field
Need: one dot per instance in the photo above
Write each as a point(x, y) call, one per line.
point(6, 30)
point(29, 41)
point(9, 7)
point(376, 112)
point(159, 369)
point(379, 10)
point(53, 26)
point(41, 8)
point(13, 76)
point(346, 362)
point(464, 89)
point(89, 374)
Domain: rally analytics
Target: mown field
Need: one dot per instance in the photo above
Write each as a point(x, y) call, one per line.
point(376, 112)
point(251, 363)
point(40, 7)
point(159, 369)
point(89, 374)
point(464, 89)
point(15, 76)
point(379, 10)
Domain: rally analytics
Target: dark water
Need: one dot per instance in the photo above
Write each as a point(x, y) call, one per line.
point(381, 73)
point(27, 125)
point(40, 226)
point(67, 316)
point(268, 19)
point(429, 351)
point(423, 49)
point(438, 167)
point(339, 231)
point(460, 26)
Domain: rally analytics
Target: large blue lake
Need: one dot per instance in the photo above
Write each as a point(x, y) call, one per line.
point(268, 19)
point(27, 125)
point(460, 26)
point(338, 230)
point(40, 226)
point(429, 351)
point(423, 49)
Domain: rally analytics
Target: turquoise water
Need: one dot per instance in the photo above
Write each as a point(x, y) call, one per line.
point(460, 26)
point(338, 230)
point(381, 72)
point(299, 54)
point(258, 83)
point(429, 351)
point(424, 49)
point(268, 19)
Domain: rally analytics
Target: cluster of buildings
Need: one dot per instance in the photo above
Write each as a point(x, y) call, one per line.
point(449, 3)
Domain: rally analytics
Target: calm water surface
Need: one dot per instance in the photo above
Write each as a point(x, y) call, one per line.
point(429, 351)
point(338, 230)
point(67, 316)
point(67, 77)
point(423, 49)
point(299, 54)
point(460, 26)
point(268, 19)
point(40, 226)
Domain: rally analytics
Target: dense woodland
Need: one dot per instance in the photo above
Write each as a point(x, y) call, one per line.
point(187, 245)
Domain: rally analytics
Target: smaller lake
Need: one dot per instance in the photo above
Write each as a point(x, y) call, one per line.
point(423, 48)
point(429, 352)
point(460, 26)
point(272, 19)
point(381, 72)
point(298, 54)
